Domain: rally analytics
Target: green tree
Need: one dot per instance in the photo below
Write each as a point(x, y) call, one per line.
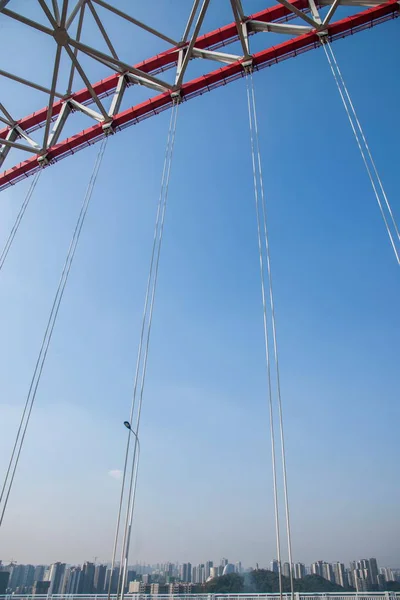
point(226, 584)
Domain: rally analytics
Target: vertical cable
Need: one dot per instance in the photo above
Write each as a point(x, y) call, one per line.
point(266, 336)
point(31, 396)
point(274, 337)
point(141, 365)
point(138, 362)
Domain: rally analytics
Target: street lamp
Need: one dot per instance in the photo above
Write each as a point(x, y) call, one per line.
point(130, 509)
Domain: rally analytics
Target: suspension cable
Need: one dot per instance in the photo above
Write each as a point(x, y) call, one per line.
point(257, 180)
point(141, 367)
point(139, 359)
point(274, 335)
point(339, 72)
point(363, 147)
point(133, 477)
point(18, 220)
point(31, 396)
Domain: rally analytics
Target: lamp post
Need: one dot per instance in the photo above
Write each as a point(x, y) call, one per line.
point(131, 507)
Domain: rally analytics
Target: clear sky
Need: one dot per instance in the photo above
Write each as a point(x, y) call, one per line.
point(205, 478)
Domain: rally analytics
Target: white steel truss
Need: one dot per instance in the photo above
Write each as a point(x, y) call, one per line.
point(62, 16)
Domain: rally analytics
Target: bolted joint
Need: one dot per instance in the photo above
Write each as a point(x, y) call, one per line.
point(108, 128)
point(248, 65)
point(176, 97)
point(323, 36)
point(43, 160)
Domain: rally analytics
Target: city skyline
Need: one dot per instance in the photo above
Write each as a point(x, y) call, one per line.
point(97, 578)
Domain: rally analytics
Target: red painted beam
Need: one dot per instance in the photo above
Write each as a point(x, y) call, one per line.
point(167, 59)
point(200, 85)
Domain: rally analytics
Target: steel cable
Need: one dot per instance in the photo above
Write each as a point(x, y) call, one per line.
point(30, 399)
point(274, 338)
point(265, 323)
point(141, 368)
point(18, 220)
point(360, 139)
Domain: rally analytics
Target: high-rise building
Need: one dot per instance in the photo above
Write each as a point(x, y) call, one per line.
point(201, 573)
point(39, 573)
point(238, 567)
point(224, 561)
point(275, 566)
point(208, 566)
point(87, 578)
point(72, 580)
point(29, 577)
point(214, 572)
point(327, 571)
point(100, 579)
point(387, 573)
point(41, 588)
point(350, 578)
point(56, 575)
point(373, 570)
point(228, 569)
point(286, 569)
point(194, 575)
point(114, 579)
point(186, 572)
point(361, 580)
point(339, 574)
point(4, 578)
point(16, 576)
point(299, 571)
point(316, 568)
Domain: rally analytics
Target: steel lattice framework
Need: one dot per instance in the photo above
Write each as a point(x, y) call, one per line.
point(308, 23)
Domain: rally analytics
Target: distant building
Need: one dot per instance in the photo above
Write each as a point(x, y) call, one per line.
point(100, 579)
point(238, 567)
point(138, 587)
point(72, 581)
point(114, 580)
point(214, 572)
point(224, 562)
point(39, 573)
point(327, 572)
point(275, 566)
point(16, 576)
point(208, 566)
point(339, 574)
point(87, 578)
point(361, 580)
point(56, 575)
point(4, 579)
point(286, 569)
point(373, 570)
point(40, 588)
point(228, 569)
point(299, 571)
point(316, 568)
point(178, 588)
point(186, 572)
point(388, 574)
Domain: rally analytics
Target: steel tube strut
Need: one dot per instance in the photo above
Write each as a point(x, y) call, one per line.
point(195, 87)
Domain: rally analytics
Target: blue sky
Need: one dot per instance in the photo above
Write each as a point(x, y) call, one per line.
point(205, 478)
